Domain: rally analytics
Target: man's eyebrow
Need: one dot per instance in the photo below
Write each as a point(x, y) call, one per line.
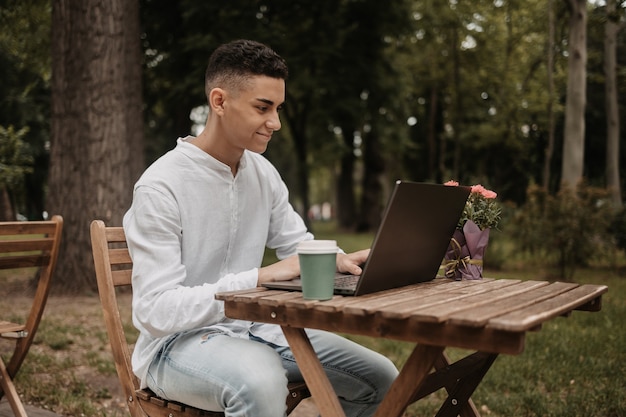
point(266, 101)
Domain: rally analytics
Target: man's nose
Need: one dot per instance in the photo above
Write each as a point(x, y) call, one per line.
point(274, 122)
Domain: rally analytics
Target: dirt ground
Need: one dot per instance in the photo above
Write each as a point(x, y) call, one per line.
point(72, 332)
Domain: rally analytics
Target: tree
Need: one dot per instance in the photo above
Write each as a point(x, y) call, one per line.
point(612, 27)
point(16, 161)
point(25, 92)
point(334, 52)
point(363, 99)
point(96, 146)
point(478, 93)
point(469, 78)
point(551, 117)
point(574, 135)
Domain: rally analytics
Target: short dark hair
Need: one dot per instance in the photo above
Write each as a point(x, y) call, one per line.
point(231, 64)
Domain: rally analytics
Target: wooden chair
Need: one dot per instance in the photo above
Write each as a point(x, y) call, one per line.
point(113, 269)
point(29, 247)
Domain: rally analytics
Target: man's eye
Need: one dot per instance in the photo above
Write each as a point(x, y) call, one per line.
point(280, 108)
point(262, 108)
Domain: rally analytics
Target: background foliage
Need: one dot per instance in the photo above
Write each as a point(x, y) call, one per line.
point(418, 89)
point(571, 228)
point(423, 90)
point(25, 94)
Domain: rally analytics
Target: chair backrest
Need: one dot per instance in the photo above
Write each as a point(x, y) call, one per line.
point(113, 267)
point(29, 244)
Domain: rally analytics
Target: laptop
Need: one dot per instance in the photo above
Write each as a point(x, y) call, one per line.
point(410, 243)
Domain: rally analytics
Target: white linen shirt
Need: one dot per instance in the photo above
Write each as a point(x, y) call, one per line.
point(194, 230)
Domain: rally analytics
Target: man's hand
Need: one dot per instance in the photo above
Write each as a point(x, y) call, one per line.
point(289, 268)
point(284, 270)
point(351, 263)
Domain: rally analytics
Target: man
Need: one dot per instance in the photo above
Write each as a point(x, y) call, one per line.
point(199, 223)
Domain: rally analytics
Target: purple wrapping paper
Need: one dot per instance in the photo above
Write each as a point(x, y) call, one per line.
point(464, 257)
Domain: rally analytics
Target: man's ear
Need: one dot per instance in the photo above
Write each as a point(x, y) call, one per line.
point(217, 97)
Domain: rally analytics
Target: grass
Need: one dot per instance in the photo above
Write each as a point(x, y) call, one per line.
point(69, 369)
point(574, 366)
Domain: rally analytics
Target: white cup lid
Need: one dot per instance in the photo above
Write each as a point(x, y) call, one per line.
point(317, 246)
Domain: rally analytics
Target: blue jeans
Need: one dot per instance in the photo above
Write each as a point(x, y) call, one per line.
point(246, 378)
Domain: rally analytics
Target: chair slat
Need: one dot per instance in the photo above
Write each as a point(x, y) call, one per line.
point(24, 261)
point(122, 277)
point(25, 245)
point(7, 326)
point(28, 228)
point(115, 234)
point(119, 257)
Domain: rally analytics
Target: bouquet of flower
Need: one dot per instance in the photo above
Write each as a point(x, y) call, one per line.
point(481, 207)
point(464, 257)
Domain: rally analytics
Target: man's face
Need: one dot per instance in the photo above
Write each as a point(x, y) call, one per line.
point(251, 114)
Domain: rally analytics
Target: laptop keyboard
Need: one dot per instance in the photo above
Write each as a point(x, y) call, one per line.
point(346, 282)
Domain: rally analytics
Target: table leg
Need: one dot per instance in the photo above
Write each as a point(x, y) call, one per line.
point(321, 390)
point(468, 409)
point(459, 396)
point(459, 379)
point(411, 377)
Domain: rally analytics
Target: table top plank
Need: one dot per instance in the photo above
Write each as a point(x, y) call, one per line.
point(441, 312)
point(480, 316)
point(344, 302)
point(417, 292)
point(338, 302)
point(273, 299)
point(534, 315)
point(450, 293)
point(231, 294)
point(300, 303)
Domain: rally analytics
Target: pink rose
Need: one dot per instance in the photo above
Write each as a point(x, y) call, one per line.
point(479, 189)
point(451, 183)
point(489, 194)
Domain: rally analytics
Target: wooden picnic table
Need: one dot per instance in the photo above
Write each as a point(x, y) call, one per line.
point(488, 316)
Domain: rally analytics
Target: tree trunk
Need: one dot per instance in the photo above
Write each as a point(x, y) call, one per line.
point(96, 134)
point(297, 120)
point(433, 165)
point(612, 113)
point(574, 135)
point(7, 214)
point(372, 205)
point(455, 120)
point(346, 201)
point(303, 173)
point(551, 122)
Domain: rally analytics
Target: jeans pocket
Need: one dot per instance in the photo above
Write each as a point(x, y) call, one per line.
point(207, 334)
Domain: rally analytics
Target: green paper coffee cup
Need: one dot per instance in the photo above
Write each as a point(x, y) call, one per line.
point(318, 264)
